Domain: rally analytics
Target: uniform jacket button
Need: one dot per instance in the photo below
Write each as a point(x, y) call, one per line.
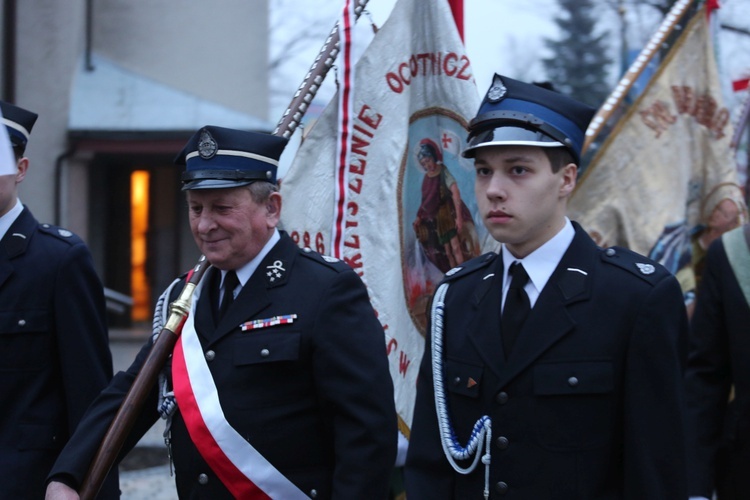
point(210, 355)
point(501, 487)
point(313, 493)
point(573, 381)
point(502, 397)
point(264, 353)
point(202, 479)
point(502, 442)
point(21, 322)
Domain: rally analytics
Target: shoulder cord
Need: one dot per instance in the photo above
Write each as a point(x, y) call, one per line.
point(481, 434)
point(167, 405)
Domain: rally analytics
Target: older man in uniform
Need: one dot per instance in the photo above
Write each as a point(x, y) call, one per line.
point(280, 376)
point(54, 350)
point(554, 368)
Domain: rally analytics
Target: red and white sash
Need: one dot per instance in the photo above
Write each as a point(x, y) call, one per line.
point(241, 468)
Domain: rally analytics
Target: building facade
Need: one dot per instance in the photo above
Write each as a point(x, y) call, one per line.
point(119, 86)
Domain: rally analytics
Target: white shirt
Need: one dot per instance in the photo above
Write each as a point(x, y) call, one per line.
point(539, 264)
point(9, 218)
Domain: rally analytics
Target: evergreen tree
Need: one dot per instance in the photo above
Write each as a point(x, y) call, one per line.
point(579, 63)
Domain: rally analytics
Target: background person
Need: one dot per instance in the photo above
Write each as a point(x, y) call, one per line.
point(718, 372)
point(54, 349)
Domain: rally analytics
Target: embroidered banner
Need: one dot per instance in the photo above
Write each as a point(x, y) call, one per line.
point(664, 183)
point(409, 214)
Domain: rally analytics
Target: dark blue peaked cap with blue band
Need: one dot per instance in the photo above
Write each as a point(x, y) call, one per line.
point(515, 113)
point(220, 158)
point(19, 123)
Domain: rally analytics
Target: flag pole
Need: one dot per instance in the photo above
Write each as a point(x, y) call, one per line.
point(292, 117)
point(634, 71)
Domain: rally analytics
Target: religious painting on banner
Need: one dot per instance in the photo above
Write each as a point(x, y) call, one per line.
point(664, 182)
point(403, 208)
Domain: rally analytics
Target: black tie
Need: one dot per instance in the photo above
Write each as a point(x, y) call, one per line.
point(230, 283)
point(517, 306)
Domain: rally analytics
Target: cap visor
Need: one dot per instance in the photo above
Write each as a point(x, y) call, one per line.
point(509, 136)
point(214, 184)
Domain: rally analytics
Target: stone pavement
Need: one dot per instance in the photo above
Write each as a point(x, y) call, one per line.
point(144, 473)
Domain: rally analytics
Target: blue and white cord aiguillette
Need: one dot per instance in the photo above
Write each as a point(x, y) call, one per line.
point(481, 434)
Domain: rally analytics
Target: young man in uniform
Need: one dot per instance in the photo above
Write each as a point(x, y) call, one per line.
point(553, 369)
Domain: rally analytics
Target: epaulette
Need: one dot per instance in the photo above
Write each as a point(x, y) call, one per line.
point(470, 266)
point(635, 263)
point(328, 261)
point(60, 233)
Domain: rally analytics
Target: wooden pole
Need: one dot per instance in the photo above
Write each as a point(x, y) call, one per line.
point(313, 79)
point(131, 406)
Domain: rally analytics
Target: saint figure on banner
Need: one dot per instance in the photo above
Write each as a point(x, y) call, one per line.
point(443, 226)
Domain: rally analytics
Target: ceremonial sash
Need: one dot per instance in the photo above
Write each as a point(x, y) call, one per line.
point(241, 468)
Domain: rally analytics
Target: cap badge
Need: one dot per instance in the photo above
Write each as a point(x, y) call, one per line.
point(207, 146)
point(646, 268)
point(497, 91)
point(275, 271)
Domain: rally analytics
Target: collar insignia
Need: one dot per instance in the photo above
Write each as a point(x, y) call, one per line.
point(453, 271)
point(275, 271)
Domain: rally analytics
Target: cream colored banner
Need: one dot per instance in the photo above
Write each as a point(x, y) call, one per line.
point(407, 219)
point(664, 182)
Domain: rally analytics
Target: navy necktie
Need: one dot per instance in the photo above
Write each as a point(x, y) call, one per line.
point(230, 283)
point(516, 308)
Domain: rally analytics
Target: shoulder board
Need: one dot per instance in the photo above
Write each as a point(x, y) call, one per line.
point(470, 266)
point(635, 263)
point(326, 260)
point(60, 233)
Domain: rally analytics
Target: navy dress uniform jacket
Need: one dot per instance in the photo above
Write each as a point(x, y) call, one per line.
point(719, 358)
point(318, 405)
point(54, 351)
point(589, 404)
